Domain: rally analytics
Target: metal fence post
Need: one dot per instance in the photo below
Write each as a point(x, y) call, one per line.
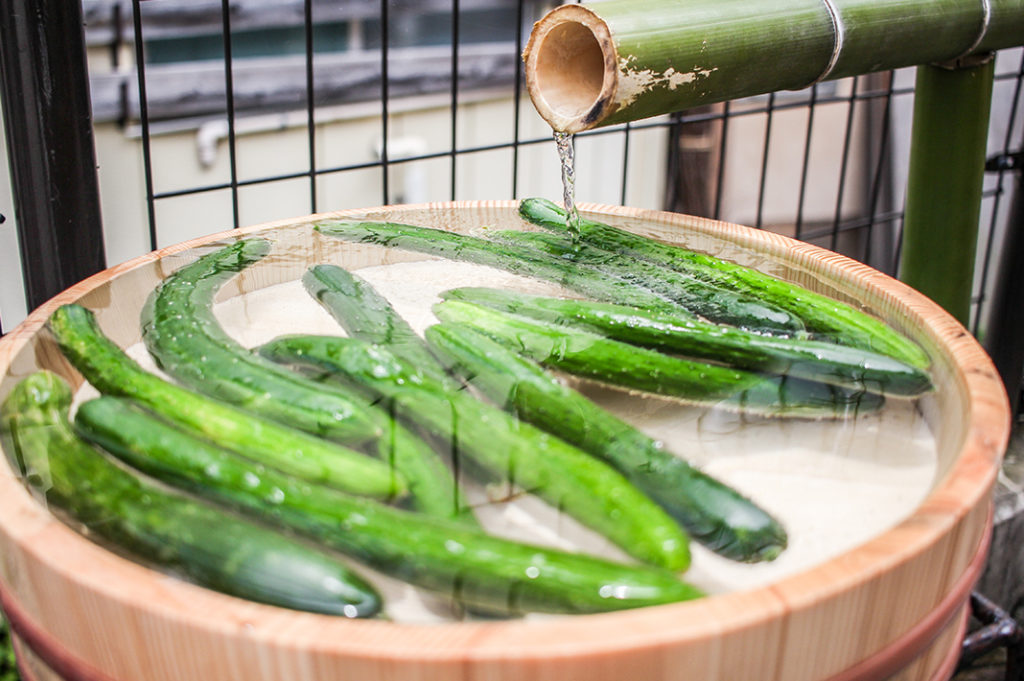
point(44, 87)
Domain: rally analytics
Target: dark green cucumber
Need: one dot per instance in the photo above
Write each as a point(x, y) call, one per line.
point(829, 318)
point(611, 362)
point(367, 315)
point(165, 529)
point(826, 362)
point(516, 259)
point(189, 344)
point(716, 304)
point(466, 564)
point(713, 513)
point(295, 452)
point(505, 448)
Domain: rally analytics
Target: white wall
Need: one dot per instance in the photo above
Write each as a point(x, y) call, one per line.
point(12, 287)
point(278, 144)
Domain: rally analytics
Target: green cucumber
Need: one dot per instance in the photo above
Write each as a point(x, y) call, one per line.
point(367, 315)
point(516, 259)
point(167, 530)
point(826, 317)
point(713, 513)
point(295, 452)
point(502, 446)
point(705, 300)
point(814, 360)
point(476, 569)
point(595, 357)
point(183, 335)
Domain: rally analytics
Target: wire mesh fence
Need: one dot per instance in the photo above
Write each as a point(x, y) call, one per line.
point(220, 113)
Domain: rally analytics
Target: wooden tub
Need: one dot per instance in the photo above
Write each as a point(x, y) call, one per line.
point(891, 607)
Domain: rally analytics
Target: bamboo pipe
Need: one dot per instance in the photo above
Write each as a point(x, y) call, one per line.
point(613, 61)
point(944, 183)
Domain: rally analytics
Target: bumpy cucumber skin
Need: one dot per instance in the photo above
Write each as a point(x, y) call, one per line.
point(601, 359)
point(367, 315)
point(165, 529)
point(713, 513)
point(188, 343)
point(183, 335)
point(475, 569)
point(295, 452)
point(710, 302)
point(516, 259)
point(827, 318)
point(826, 362)
point(567, 478)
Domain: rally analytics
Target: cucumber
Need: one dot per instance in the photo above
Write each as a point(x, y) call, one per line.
point(825, 317)
point(707, 301)
point(165, 529)
point(367, 315)
point(595, 357)
point(713, 513)
point(509, 257)
point(295, 452)
point(473, 568)
point(183, 335)
point(500, 445)
point(826, 362)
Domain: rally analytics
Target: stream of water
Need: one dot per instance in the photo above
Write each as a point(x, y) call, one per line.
point(566, 157)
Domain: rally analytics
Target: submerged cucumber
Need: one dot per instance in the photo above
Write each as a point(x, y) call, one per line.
point(202, 543)
point(710, 302)
point(463, 563)
point(516, 259)
point(367, 315)
point(829, 318)
point(713, 513)
point(295, 452)
point(183, 334)
point(611, 362)
point(503, 447)
point(826, 362)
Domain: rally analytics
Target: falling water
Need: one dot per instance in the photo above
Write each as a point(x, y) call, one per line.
point(563, 140)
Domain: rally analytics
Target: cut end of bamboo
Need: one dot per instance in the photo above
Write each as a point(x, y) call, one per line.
point(571, 68)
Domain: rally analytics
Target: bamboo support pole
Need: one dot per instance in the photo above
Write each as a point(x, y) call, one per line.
point(613, 61)
point(947, 165)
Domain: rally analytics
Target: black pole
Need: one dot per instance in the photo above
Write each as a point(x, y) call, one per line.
point(44, 86)
point(1004, 337)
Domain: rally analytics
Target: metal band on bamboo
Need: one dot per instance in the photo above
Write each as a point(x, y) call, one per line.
point(838, 38)
point(986, 20)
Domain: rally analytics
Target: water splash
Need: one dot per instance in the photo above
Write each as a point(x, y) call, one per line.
point(564, 143)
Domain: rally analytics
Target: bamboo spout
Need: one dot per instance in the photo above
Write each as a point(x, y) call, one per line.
point(572, 78)
point(613, 61)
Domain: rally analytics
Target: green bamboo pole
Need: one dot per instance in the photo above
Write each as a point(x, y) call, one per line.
point(947, 164)
point(613, 61)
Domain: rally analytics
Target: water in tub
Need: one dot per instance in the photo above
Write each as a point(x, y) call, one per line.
point(832, 483)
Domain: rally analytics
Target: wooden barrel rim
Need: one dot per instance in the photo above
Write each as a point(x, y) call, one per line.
point(952, 498)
